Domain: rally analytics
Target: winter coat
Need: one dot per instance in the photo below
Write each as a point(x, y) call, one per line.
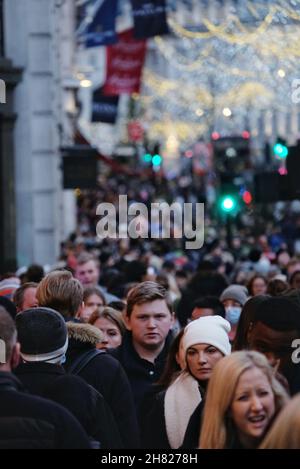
point(141, 373)
point(167, 419)
point(153, 424)
point(107, 376)
point(192, 434)
point(31, 422)
point(82, 400)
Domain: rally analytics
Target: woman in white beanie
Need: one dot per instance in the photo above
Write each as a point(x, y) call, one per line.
point(204, 343)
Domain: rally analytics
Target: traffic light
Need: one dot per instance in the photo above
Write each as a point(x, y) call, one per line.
point(228, 203)
point(280, 149)
point(247, 197)
point(156, 157)
point(153, 160)
point(232, 153)
point(152, 156)
point(156, 160)
point(293, 169)
point(147, 158)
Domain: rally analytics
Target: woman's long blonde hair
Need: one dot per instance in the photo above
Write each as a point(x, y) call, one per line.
point(217, 431)
point(285, 433)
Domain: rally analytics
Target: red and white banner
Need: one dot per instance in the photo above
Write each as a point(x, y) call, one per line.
point(125, 61)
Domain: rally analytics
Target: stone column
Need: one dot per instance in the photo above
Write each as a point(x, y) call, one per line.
point(11, 77)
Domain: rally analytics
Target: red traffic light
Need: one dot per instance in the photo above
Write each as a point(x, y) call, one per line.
point(246, 134)
point(247, 197)
point(215, 135)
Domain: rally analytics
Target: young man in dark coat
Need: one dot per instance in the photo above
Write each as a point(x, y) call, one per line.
point(43, 336)
point(30, 422)
point(60, 291)
point(275, 332)
point(145, 346)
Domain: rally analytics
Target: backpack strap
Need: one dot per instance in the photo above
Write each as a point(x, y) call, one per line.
point(82, 361)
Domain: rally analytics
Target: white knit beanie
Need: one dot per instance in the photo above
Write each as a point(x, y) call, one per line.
point(211, 330)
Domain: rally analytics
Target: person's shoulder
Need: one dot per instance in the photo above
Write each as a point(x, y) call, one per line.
point(108, 360)
point(42, 406)
point(67, 382)
point(110, 356)
point(115, 352)
point(124, 350)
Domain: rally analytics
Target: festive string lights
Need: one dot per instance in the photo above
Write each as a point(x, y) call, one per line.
point(244, 63)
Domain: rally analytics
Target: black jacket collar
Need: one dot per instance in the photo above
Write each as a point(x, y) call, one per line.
point(40, 367)
point(8, 381)
point(128, 349)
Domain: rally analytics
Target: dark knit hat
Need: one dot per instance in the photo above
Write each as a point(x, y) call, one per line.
point(42, 333)
point(279, 313)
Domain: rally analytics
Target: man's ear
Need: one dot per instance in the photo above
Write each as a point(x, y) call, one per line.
point(15, 356)
point(79, 311)
point(127, 322)
point(173, 319)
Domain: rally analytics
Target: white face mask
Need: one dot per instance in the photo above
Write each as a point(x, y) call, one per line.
point(232, 314)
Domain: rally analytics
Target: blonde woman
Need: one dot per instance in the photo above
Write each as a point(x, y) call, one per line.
point(243, 397)
point(285, 433)
point(111, 324)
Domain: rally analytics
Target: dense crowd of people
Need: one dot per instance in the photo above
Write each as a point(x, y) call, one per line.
point(139, 343)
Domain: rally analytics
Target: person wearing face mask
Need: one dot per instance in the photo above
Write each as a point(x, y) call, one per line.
point(233, 299)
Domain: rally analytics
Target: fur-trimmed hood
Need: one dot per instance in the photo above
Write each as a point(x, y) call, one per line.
point(85, 333)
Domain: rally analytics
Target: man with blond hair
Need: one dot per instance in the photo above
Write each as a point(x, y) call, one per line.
point(59, 290)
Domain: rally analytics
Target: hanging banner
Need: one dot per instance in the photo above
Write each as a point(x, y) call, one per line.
point(104, 108)
point(125, 61)
point(135, 131)
point(150, 18)
point(100, 30)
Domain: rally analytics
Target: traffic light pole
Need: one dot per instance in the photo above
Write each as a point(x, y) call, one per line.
point(229, 230)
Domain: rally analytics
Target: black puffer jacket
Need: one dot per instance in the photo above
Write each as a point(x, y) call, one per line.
point(31, 422)
point(106, 375)
point(82, 400)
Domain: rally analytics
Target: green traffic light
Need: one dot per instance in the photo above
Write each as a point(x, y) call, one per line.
point(156, 160)
point(147, 158)
point(228, 204)
point(280, 150)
